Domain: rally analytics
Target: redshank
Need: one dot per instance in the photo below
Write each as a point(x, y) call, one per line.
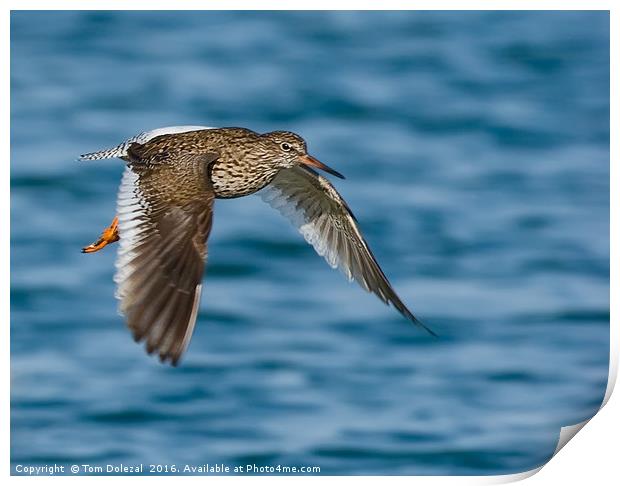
point(164, 217)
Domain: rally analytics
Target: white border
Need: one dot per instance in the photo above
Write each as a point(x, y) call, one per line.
point(592, 457)
point(311, 5)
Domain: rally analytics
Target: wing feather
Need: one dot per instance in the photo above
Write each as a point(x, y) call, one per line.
point(162, 252)
point(314, 206)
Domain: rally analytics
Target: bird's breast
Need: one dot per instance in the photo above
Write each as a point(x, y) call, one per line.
point(234, 179)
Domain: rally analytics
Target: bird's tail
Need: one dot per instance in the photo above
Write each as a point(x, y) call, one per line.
point(110, 153)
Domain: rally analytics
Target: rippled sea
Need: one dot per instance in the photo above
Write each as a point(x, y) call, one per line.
point(476, 151)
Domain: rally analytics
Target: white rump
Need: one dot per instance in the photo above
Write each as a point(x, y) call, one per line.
point(121, 149)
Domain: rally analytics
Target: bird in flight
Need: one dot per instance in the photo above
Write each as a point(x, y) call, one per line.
point(165, 213)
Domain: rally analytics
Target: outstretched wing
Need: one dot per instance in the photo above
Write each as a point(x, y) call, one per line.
point(164, 223)
point(314, 206)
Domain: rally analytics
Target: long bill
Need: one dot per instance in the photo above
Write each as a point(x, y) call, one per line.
point(312, 162)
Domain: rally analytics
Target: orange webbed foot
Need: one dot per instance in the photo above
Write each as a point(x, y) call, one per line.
point(109, 235)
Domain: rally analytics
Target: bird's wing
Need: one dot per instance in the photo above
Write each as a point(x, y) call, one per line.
point(322, 216)
point(163, 228)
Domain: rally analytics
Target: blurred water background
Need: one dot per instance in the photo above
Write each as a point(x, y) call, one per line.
point(476, 150)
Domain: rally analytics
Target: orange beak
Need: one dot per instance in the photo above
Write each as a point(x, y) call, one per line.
point(312, 162)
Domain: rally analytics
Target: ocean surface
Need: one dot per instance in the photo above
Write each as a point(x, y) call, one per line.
point(476, 151)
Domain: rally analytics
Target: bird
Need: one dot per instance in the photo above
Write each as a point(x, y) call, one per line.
point(164, 215)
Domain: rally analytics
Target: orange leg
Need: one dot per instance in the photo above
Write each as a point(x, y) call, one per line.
point(109, 235)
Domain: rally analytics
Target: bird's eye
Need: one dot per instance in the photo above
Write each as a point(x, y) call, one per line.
point(285, 146)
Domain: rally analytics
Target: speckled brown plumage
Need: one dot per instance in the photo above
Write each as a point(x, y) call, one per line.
point(165, 205)
point(243, 163)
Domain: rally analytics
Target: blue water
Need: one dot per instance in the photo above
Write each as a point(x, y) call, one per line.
point(476, 150)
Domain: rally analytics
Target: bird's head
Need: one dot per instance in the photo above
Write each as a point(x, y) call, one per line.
point(291, 150)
